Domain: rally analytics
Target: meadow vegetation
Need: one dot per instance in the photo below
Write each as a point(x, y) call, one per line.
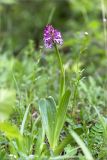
point(53, 102)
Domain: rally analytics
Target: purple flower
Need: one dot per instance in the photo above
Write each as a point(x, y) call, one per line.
point(52, 36)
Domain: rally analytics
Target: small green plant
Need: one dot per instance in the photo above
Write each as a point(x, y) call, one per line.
point(53, 115)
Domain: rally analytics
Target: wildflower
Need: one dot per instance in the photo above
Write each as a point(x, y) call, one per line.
point(52, 36)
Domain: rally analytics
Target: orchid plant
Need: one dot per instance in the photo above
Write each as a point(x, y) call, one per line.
point(53, 115)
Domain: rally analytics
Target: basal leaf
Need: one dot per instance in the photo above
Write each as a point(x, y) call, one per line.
point(47, 109)
point(61, 115)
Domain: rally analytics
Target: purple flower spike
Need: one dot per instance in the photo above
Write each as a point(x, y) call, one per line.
point(52, 36)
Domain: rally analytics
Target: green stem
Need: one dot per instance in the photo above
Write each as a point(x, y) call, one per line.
point(62, 76)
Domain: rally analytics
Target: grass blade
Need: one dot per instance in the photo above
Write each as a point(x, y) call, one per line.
point(82, 145)
point(24, 120)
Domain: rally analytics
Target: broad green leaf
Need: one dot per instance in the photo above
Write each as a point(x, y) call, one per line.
point(82, 145)
point(7, 100)
point(60, 147)
point(47, 109)
point(10, 131)
point(61, 115)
